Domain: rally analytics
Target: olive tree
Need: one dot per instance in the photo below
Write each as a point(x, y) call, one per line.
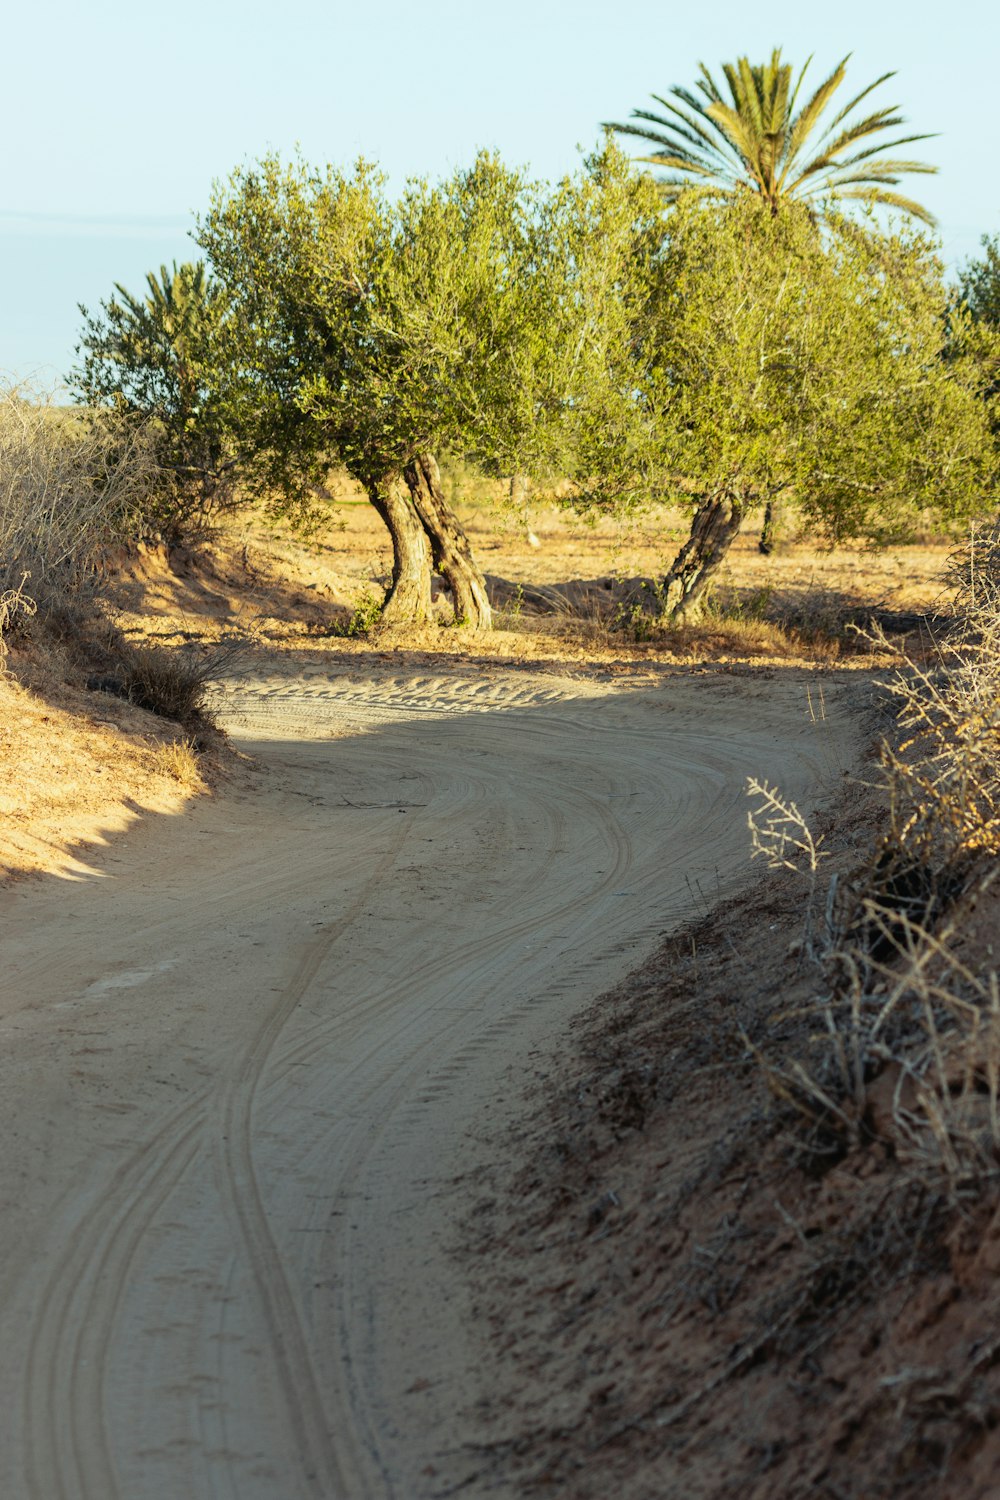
point(375, 332)
point(974, 323)
point(780, 357)
point(979, 282)
point(475, 315)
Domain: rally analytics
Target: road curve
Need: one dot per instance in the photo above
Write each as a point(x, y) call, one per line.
point(243, 1061)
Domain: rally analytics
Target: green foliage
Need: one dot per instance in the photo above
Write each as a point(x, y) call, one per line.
point(639, 621)
point(778, 358)
point(761, 140)
point(603, 231)
point(974, 324)
point(366, 616)
point(509, 616)
point(473, 316)
point(153, 358)
point(979, 283)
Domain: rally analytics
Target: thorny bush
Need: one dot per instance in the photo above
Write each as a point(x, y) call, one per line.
point(903, 1037)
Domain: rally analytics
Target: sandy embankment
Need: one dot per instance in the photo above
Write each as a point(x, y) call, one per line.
point(78, 773)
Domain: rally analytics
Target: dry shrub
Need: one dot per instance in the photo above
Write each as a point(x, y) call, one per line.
point(14, 605)
point(70, 488)
point(163, 680)
point(903, 1039)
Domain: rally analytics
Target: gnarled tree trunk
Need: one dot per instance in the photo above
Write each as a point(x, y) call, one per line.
point(714, 527)
point(450, 548)
point(408, 598)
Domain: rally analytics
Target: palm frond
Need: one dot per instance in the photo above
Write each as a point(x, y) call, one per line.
point(842, 114)
point(884, 163)
point(891, 200)
point(805, 121)
point(779, 97)
point(677, 164)
point(883, 119)
point(872, 173)
point(698, 128)
point(714, 138)
point(829, 161)
point(708, 85)
point(698, 140)
point(738, 133)
point(744, 84)
point(798, 84)
point(760, 139)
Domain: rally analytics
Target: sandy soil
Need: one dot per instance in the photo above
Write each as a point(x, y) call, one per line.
point(683, 1303)
point(287, 589)
point(245, 1062)
point(80, 769)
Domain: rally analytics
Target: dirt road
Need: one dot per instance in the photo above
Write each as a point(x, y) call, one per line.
point(243, 1062)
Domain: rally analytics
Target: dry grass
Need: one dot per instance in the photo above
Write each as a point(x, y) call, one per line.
point(179, 759)
point(74, 777)
point(894, 1057)
point(560, 600)
point(896, 1002)
point(69, 489)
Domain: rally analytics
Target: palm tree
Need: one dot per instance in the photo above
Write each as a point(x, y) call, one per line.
point(153, 357)
point(170, 325)
point(760, 142)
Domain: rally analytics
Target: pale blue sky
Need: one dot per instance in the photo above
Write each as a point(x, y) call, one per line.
point(120, 115)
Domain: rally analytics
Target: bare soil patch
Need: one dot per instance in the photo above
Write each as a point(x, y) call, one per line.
point(556, 595)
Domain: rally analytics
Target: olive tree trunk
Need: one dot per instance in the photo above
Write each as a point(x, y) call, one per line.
point(519, 484)
point(408, 598)
point(449, 544)
point(714, 527)
point(769, 530)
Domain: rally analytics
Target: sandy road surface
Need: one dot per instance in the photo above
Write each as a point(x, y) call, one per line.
point(242, 1063)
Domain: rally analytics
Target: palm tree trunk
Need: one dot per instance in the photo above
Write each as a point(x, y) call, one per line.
point(714, 527)
point(408, 598)
point(449, 544)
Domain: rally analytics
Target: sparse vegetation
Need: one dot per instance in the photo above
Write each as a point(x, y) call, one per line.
point(896, 996)
point(70, 490)
point(365, 617)
point(167, 681)
point(179, 759)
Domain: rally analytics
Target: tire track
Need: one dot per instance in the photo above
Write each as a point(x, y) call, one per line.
point(76, 1319)
point(288, 1345)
